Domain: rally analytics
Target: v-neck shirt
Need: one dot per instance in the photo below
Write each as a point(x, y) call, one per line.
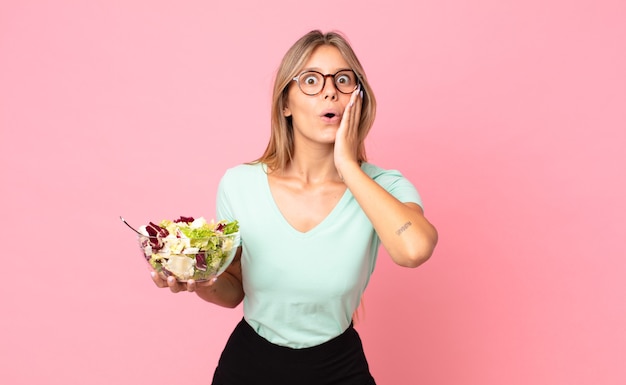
point(302, 288)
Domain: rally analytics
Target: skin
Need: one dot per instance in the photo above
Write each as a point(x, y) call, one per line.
point(324, 165)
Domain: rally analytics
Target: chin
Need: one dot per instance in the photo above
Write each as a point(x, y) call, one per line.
point(329, 139)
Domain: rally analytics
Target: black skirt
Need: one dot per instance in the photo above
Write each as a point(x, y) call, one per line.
point(249, 359)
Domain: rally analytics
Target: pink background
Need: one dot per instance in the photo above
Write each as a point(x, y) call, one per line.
point(509, 116)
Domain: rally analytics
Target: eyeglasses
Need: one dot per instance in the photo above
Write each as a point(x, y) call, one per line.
point(312, 82)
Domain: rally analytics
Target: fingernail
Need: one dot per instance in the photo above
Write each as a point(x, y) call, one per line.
point(361, 94)
point(153, 274)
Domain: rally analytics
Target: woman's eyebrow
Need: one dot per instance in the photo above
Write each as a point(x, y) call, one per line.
point(317, 69)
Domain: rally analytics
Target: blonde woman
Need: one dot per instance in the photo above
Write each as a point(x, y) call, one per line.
point(313, 214)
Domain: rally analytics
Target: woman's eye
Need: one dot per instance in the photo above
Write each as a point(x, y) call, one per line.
point(310, 80)
point(343, 79)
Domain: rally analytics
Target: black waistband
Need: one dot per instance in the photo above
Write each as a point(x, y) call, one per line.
point(347, 342)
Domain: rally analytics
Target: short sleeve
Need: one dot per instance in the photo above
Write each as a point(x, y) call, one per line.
point(395, 183)
point(224, 210)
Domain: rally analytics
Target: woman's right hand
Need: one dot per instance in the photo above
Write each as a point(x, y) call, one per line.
point(225, 290)
point(175, 286)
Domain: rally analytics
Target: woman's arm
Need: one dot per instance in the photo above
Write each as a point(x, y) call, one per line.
point(226, 290)
point(404, 231)
point(406, 234)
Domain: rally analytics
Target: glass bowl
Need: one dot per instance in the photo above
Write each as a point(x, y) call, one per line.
point(200, 259)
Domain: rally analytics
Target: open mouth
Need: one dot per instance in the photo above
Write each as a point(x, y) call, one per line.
point(330, 115)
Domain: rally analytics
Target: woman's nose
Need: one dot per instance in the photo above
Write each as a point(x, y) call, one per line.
point(329, 89)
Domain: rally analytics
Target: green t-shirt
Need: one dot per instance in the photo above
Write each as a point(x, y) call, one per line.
point(301, 289)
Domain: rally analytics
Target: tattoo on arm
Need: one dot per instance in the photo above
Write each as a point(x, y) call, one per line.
point(403, 228)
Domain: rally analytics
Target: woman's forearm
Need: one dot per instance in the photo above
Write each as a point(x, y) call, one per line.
point(227, 289)
point(223, 292)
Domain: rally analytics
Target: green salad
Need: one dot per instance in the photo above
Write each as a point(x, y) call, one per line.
point(189, 248)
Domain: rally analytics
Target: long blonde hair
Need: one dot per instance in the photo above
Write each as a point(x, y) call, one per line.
point(280, 148)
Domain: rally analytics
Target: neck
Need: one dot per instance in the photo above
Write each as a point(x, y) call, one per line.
point(313, 165)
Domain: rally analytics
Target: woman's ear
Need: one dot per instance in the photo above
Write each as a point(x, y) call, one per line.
point(285, 104)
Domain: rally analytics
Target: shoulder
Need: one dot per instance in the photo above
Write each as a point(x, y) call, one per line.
point(379, 173)
point(394, 182)
point(242, 172)
point(240, 183)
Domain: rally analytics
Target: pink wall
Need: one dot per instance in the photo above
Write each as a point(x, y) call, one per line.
point(509, 116)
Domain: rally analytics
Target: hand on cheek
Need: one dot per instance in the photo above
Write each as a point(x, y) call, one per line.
point(347, 138)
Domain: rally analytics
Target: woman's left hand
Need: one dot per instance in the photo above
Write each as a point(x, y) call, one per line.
point(347, 138)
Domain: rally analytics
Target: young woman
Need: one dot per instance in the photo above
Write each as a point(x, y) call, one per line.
point(312, 213)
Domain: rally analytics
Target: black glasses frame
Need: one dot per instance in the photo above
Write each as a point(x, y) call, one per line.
point(324, 76)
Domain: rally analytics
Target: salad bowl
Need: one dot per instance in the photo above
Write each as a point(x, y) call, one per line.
point(189, 248)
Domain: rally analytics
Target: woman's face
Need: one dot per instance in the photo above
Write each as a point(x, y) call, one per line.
point(316, 118)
